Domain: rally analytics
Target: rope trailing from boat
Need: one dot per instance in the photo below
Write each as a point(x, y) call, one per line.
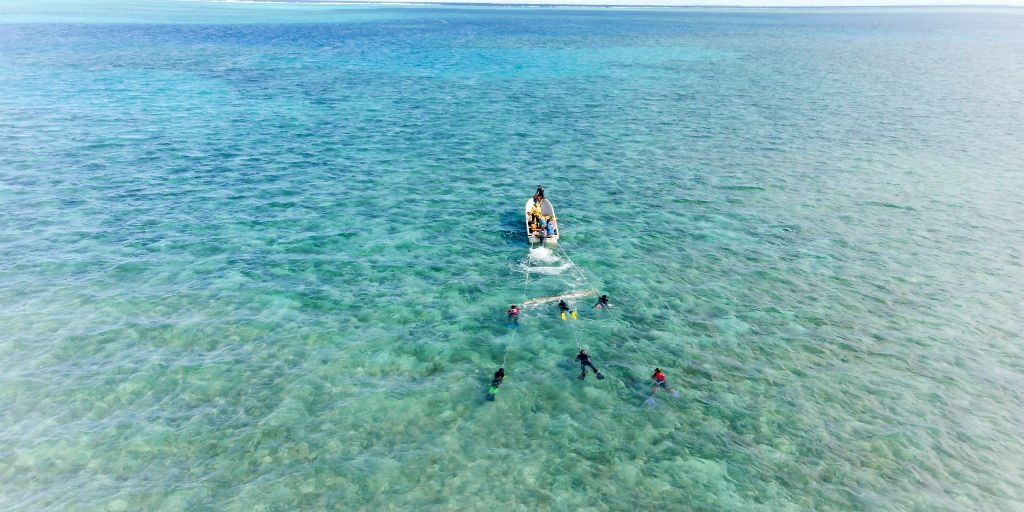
point(522, 312)
point(552, 298)
point(575, 267)
point(583, 278)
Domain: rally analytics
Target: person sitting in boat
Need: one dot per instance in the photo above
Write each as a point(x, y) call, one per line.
point(546, 226)
point(534, 216)
point(535, 227)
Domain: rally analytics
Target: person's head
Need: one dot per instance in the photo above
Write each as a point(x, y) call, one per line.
point(513, 306)
point(657, 370)
point(605, 297)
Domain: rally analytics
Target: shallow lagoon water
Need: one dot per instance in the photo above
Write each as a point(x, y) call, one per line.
point(255, 257)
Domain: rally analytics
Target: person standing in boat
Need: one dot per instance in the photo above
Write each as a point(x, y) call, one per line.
point(538, 196)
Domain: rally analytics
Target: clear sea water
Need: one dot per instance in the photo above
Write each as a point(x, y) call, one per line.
point(255, 257)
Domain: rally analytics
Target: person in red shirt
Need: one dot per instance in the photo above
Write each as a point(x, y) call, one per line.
point(661, 382)
point(513, 315)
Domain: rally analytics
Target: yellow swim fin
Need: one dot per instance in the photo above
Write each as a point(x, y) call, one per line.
point(573, 313)
point(563, 315)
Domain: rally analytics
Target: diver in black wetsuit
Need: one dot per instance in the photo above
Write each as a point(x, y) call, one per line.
point(499, 376)
point(602, 303)
point(584, 360)
point(564, 308)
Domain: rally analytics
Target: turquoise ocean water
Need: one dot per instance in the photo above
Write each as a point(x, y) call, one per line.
point(255, 257)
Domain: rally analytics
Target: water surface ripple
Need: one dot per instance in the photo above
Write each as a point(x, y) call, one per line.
point(254, 257)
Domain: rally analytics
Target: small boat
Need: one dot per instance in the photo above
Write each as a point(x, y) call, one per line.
point(539, 235)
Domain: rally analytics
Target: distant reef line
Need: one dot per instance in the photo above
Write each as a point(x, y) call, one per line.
point(620, 6)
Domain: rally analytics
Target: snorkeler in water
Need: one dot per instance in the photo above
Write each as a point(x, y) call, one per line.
point(564, 308)
point(513, 314)
point(602, 303)
point(492, 390)
point(584, 360)
point(661, 382)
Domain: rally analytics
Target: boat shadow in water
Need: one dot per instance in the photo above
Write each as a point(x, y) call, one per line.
point(512, 229)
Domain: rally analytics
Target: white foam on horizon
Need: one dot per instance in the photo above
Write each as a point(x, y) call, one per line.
point(653, 4)
point(312, 2)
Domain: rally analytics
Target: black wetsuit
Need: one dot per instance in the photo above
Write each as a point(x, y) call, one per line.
point(563, 306)
point(495, 382)
point(584, 360)
point(602, 302)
